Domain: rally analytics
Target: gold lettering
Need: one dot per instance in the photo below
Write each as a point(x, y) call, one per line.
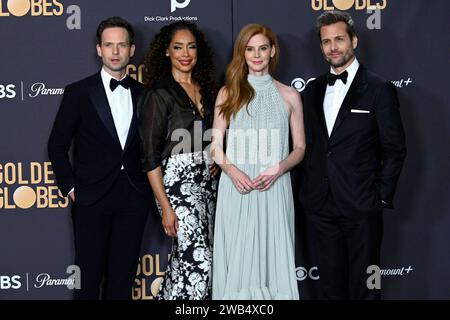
point(150, 264)
point(136, 72)
point(326, 6)
point(131, 70)
point(36, 7)
point(65, 200)
point(140, 72)
point(35, 172)
point(6, 204)
point(360, 4)
point(45, 11)
point(147, 265)
point(3, 14)
point(60, 7)
point(158, 272)
point(41, 197)
point(383, 5)
point(10, 173)
point(136, 291)
point(138, 271)
point(48, 171)
point(144, 295)
point(317, 4)
point(20, 179)
point(52, 197)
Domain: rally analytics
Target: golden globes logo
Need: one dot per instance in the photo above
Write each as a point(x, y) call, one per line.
point(23, 186)
point(136, 72)
point(19, 8)
point(149, 266)
point(344, 5)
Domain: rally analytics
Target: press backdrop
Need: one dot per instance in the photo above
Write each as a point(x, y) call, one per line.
point(47, 44)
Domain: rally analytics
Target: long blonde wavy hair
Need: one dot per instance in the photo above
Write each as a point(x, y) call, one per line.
point(238, 90)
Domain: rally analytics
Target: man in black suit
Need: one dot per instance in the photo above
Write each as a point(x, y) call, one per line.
point(111, 196)
point(354, 154)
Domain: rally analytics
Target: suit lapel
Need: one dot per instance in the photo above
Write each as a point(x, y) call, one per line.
point(319, 97)
point(133, 124)
point(100, 101)
point(354, 92)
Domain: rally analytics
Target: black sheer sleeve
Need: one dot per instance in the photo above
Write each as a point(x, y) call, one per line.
point(153, 122)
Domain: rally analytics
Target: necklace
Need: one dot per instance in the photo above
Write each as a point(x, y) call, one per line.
point(193, 102)
point(201, 112)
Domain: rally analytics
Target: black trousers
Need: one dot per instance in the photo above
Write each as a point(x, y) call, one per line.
point(343, 248)
point(108, 237)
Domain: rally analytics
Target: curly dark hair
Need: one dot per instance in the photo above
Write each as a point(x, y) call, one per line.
point(158, 66)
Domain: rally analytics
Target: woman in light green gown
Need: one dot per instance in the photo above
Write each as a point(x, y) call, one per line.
point(254, 256)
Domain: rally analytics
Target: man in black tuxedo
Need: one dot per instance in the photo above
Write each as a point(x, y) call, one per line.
point(354, 154)
point(111, 196)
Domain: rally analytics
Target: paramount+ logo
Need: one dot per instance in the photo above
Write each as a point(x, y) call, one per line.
point(344, 5)
point(20, 8)
point(29, 185)
point(72, 280)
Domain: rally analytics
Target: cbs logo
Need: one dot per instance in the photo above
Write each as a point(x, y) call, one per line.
point(303, 273)
point(7, 282)
point(7, 91)
point(174, 5)
point(299, 84)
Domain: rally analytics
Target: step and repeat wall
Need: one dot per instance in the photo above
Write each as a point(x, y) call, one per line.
point(47, 44)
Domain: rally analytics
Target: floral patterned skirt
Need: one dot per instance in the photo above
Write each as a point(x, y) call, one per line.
point(192, 193)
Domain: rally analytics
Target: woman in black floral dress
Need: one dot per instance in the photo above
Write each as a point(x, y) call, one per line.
point(175, 113)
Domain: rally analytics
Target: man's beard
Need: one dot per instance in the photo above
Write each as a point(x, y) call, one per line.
point(345, 59)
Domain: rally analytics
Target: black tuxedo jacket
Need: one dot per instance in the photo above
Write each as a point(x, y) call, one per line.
point(361, 161)
point(84, 119)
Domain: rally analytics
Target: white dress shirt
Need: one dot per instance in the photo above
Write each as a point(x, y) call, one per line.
point(121, 105)
point(334, 95)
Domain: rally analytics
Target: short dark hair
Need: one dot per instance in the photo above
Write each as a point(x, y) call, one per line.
point(115, 22)
point(331, 17)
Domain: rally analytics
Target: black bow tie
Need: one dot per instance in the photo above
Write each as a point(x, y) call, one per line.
point(331, 78)
point(125, 82)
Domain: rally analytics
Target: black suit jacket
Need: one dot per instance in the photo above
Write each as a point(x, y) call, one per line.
point(84, 119)
point(360, 162)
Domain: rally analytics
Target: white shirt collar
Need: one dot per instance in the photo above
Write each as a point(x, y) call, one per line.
point(106, 78)
point(351, 69)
